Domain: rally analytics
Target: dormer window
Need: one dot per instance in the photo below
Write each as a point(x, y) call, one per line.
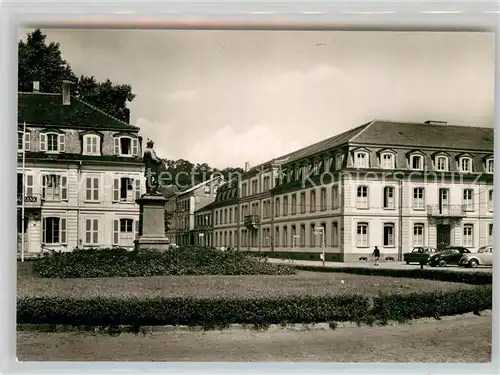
point(489, 165)
point(387, 160)
point(465, 164)
point(126, 145)
point(23, 143)
point(416, 162)
point(361, 159)
point(441, 162)
point(339, 160)
point(52, 142)
point(91, 144)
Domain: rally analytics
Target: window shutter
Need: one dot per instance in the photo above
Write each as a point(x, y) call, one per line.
point(116, 190)
point(88, 231)
point(43, 230)
point(64, 188)
point(135, 146)
point(29, 185)
point(88, 188)
point(96, 189)
point(43, 142)
point(27, 141)
point(95, 234)
point(137, 188)
point(62, 142)
point(117, 146)
point(63, 231)
point(44, 184)
point(116, 227)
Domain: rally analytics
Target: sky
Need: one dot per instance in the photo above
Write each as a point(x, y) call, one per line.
point(230, 97)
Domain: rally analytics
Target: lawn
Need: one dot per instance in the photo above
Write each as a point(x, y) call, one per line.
point(303, 283)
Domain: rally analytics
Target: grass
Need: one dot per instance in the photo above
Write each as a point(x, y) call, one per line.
point(303, 283)
point(462, 339)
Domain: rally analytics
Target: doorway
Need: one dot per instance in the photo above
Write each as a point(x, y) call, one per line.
point(443, 236)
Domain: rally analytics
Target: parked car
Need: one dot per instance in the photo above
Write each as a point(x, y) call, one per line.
point(449, 255)
point(483, 257)
point(419, 254)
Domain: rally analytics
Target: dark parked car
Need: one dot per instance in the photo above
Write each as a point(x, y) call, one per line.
point(419, 254)
point(449, 255)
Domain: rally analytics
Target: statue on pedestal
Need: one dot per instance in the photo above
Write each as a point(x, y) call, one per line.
point(153, 168)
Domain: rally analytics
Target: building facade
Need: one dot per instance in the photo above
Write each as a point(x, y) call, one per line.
point(203, 226)
point(394, 185)
point(82, 173)
point(184, 204)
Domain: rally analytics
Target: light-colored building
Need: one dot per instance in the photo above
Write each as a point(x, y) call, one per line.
point(394, 185)
point(203, 226)
point(185, 203)
point(83, 171)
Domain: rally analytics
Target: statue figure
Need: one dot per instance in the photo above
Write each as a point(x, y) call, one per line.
point(153, 169)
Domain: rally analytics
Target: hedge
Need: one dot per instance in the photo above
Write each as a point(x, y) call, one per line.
point(296, 255)
point(474, 278)
point(119, 262)
point(220, 312)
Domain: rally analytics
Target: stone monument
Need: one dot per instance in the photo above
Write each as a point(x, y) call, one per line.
point(152, 206)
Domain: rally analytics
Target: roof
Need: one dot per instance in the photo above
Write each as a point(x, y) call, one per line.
point(208, 207)
point(194, 187)
point(47, 109)
point(417, 135)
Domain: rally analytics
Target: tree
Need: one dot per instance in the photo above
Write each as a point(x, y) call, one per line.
point(39, 61)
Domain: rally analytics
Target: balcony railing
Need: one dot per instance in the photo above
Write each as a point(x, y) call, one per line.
point(446, 210)
point(252, 221)
point(30, 201)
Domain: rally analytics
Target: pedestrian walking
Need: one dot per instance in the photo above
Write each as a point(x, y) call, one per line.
point(376, 255)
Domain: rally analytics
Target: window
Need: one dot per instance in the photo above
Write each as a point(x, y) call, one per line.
point(361, 160)
point(441, 163)
point(244, 188)
point(54, 230)
point(294, 204)
point(124, 231)
point(328, 164)
point(92, 189)
point(302, 235)
point(312, 236)
point(266, 183)
point(230, 215)
point(339, 161)
point(54, 187)
point(126, 146)
point(335, 197)
point(387, 160)
point(23, 144)
point(465, 165)
point(285, 206)
point(127, 189)
point(91, 231)
point(254, 186)
point(468, 238)
point(285, 236)
point(362, 197)
point(490, 200)
point(303, 203)
point(389, 197)
point(362, 235)
point(225, 216)
point(418, 198)
point(312, 203)
point(277, 207)
point(489, 166)
point(418, 234)
point(490, 234)
point(416, 162)
point(335, 234)
point(91, 144)
point(52, 142)
point(323, 199)
point(468, 200)
point(316, 168)
point(389, 234)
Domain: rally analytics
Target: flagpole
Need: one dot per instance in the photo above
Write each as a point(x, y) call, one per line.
point(23, 192)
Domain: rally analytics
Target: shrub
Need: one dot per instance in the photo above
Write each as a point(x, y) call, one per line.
point(118, 262)
point(296, 255)
point(475, 278)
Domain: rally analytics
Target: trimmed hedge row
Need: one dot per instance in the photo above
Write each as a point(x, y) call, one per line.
point(296, 255)
point(474, 278)
point(119, 262)
point(220, 312)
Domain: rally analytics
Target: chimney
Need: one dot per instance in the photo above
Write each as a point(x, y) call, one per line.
point(66, 92)
point(36, 86)
point(435, 122)
point(126, 114)
point(247, 166)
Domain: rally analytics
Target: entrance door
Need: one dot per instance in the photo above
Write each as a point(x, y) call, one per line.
point(444, 201)
point(443, 236)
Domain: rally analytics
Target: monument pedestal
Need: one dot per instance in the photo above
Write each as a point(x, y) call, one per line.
point(152, 223)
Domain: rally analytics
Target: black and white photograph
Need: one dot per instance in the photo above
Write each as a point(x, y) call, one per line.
point(255, 195)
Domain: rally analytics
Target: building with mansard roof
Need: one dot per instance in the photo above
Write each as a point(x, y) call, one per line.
point(395, 185)
point(82, 173)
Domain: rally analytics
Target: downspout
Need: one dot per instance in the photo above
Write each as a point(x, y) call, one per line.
point(400, 230)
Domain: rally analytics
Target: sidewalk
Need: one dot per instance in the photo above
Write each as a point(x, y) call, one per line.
point(383, 265)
